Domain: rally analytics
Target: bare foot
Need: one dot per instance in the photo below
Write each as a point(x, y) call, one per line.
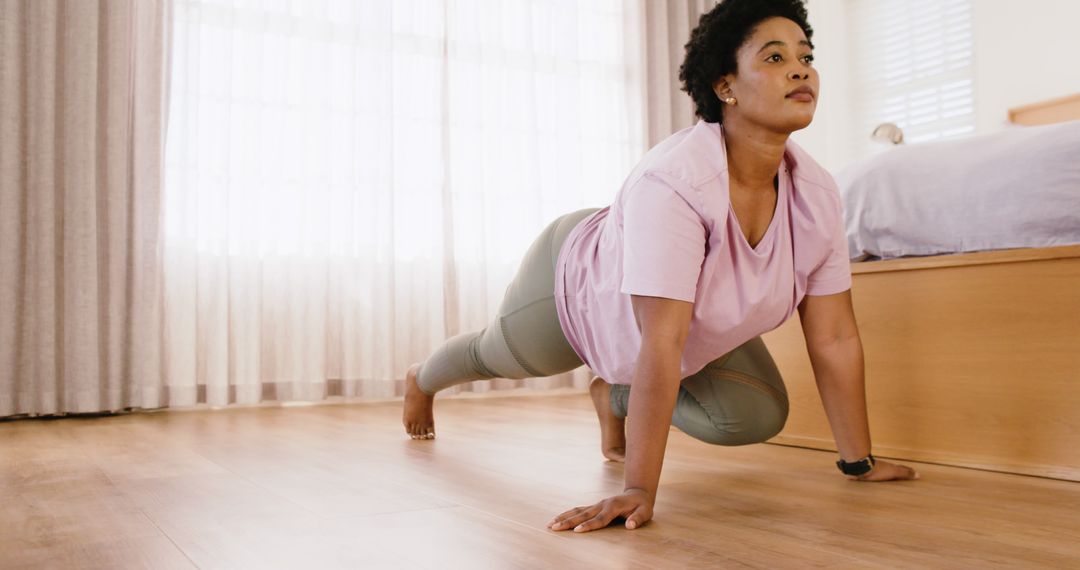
point(612, 428)
point(418, 418)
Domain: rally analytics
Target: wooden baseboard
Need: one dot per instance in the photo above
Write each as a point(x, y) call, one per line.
point(995, 464)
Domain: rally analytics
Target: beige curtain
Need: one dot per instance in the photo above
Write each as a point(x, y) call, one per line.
point(666, 30)
point(81, 135)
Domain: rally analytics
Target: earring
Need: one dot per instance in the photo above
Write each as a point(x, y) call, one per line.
point(730, 100)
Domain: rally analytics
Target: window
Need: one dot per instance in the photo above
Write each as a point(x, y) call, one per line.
point(338, 127)
point(912, 65)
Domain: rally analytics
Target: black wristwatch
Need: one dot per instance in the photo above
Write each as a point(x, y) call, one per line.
point(856, 468)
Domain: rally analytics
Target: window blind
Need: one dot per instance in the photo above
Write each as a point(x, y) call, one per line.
point(912, 65)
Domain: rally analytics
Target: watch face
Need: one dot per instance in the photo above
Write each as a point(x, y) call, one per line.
point(860, 467)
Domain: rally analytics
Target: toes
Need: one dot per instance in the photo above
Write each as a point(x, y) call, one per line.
point(418, 431)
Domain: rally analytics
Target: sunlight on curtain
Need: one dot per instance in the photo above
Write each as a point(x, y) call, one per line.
point(349, 183)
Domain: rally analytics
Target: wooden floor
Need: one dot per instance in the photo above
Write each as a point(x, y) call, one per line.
point(343, 486)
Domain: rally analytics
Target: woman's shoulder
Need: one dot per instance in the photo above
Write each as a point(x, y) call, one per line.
point(807, 173)
point(691, 156)
point(815, 193)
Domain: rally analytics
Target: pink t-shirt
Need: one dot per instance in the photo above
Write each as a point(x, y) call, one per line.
point(671, 232)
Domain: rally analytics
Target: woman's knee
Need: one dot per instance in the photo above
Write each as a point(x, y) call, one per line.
point(763, 426)
point(751, 430)
point(746, 416)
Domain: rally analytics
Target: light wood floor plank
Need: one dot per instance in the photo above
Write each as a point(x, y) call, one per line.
point(342, 486)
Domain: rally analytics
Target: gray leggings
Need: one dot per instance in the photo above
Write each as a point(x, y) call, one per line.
point(736, 399)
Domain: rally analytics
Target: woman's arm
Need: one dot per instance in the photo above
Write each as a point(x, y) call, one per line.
point(836, 355)
point(664, 325)
point(838, 371)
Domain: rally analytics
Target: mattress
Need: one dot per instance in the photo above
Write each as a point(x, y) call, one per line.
point(1019, 188)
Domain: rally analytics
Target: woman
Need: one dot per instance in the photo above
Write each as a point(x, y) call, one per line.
point(719, 234)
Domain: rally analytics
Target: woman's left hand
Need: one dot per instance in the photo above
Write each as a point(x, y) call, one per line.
point(885, 471)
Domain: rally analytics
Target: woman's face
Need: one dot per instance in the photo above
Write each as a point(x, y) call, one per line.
point(773, 62)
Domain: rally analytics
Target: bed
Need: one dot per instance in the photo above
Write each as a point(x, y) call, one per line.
point(972, 359)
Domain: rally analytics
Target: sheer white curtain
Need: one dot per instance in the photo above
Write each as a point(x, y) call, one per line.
point(349, 183)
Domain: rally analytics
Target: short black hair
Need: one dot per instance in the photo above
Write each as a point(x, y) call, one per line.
point(710, 53)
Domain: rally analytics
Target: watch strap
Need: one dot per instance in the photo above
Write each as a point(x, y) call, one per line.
point(860, 467)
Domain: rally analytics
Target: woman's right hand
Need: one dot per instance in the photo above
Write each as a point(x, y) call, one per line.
point(664, 325)
point(634, 504)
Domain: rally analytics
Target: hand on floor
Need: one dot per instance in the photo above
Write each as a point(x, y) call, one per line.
point(885, 471)
point(634, 504)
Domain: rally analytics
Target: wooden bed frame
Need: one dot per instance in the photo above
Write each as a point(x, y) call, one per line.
point(972, 359)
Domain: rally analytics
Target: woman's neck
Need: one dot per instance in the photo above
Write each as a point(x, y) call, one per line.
point(753, 154)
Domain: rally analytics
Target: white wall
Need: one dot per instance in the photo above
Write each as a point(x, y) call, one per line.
point(828, 138)
point(1024, 53)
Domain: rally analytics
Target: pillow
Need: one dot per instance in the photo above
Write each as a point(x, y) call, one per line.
point(1011, 189)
